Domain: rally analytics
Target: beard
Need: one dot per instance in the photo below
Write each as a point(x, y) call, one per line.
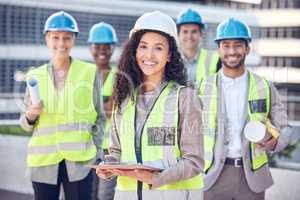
point(234, 66)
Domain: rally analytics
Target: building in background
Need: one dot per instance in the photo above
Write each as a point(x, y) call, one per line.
point(278, 45)
point(22, 41)
point(275, 26)
point(275, 54)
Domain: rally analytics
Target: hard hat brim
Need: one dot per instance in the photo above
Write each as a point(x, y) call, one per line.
point(203, 26)
point(233, 38)
point(99, 42)
point(61, 30)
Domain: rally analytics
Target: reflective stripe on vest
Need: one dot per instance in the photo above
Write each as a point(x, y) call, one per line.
point(258, 89)
point(107, 90)
point(208, 93)
point(206, 64)
point(159, 139)
point(63, 130)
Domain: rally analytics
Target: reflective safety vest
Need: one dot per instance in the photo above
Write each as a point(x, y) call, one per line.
point(206, 64)
point(258, 110)
point(159, 140)
point(63, 130)
point(107, 127)
point(107, 90)
point(107, 87)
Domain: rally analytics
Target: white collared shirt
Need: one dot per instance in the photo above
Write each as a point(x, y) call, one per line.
point(235, 91)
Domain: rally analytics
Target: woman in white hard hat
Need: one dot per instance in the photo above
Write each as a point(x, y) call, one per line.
point(156, 120)
point(65, 137)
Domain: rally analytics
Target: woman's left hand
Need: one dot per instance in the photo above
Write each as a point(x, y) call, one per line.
point(139, 174)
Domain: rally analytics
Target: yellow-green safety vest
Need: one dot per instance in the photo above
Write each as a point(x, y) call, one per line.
point(162, 122)
point(107, 87)
point(258, 90)
point(206, 64)
point(107, 90)
point(63, 130)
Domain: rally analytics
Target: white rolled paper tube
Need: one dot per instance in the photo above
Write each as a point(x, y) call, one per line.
point(255, 131)
point(33, 88)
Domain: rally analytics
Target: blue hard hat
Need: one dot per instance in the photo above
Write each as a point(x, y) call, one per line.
point(233, 29)
point(102, 33)
point(189, 16)
point(61, 21)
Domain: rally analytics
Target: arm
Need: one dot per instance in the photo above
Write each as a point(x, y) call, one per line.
point(98, 128)
point(278, 122)
point(114, 151)
point(30, 116)
point(115, 146)
point(279, 118)
point(191, 145)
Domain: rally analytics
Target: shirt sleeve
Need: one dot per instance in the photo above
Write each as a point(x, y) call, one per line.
point(114, 146)
point(191, 162)
point(98, 127)
point(278, 117)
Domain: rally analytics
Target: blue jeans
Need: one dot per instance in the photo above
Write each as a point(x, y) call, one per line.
point(76, 190)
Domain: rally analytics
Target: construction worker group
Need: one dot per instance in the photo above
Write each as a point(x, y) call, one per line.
point(168, 104)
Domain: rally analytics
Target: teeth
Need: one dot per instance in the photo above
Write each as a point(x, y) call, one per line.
point(149, 63)
point(101, 57)
point(233, 57)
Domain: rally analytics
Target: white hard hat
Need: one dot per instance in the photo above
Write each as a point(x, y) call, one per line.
point(157, 21)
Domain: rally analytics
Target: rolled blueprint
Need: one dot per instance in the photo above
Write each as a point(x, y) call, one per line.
point(33, 88)
point(255, 131)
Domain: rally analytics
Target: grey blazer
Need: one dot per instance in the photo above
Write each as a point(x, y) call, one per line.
point(260, 179)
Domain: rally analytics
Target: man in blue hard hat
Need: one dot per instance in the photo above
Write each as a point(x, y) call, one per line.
point(198, 61)
point(235, 99)
point(102, 40)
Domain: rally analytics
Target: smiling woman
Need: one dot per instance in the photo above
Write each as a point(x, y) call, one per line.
point(60, 43)
point(70, 103)
point(156, 119)
point(166, 68)
point(102, 40)
point(152, 56)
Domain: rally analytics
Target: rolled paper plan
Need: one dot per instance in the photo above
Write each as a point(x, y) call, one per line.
point(255, 131)
point(33, 88)
point(272, 129)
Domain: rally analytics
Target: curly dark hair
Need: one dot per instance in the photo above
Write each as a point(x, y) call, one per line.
point(130, 76)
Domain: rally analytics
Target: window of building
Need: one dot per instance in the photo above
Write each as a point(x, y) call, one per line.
point(281, 61)
point(279, 32)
